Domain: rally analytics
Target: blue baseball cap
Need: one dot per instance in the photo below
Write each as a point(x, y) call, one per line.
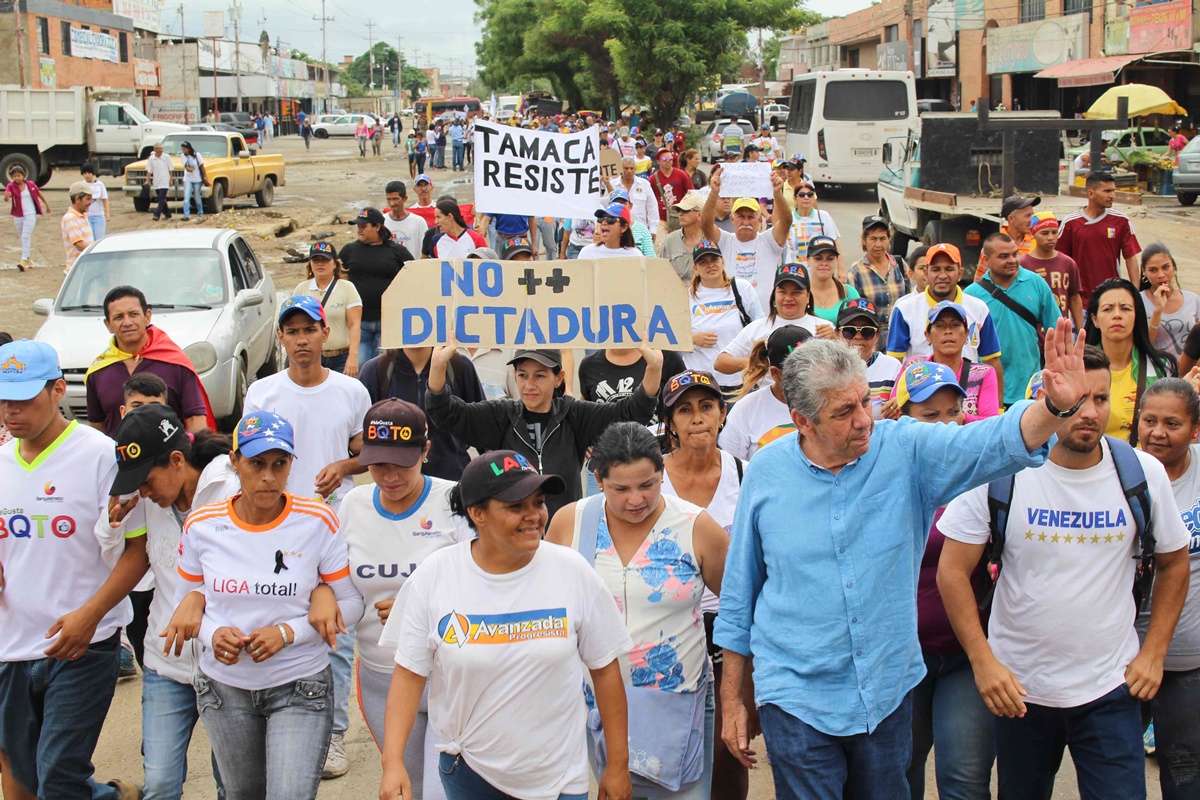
point(423, 177)
point(943, 307)
point(615, 210)
point(618, 194)
point(25, 367)
point(922, 379)
point(302, 302)
point(797, 159)
point(260, 431)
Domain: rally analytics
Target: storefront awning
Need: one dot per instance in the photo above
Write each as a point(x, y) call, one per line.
point(1089, 71)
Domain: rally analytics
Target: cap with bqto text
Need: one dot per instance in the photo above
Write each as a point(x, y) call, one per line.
point(394, 432)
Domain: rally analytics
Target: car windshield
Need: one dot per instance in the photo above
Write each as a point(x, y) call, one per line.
point(190, 278)
point(206, 146)
point(138, 116)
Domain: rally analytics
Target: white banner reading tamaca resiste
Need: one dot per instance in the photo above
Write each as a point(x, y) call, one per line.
point(605, 304)
point(746, 179)
point(536, 173)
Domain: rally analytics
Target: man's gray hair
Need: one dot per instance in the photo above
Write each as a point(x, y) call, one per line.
point(628, 160)
point(816, 368)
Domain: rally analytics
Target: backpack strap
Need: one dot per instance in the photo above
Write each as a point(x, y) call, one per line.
point(737, 298)
point(1140, 379)
point(1137, 495)
point(741, 469)
point(1000, 493)
point(589, 526)
point(965, 376)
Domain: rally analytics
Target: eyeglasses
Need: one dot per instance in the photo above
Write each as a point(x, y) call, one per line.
point(609, 220)
point(806, 194)
point(866, 331)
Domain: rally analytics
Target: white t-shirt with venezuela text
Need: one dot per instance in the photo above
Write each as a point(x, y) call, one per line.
point(506, 656)
point(255, 576)
point(1063, 612)
point(386, 548)
point(56, 546)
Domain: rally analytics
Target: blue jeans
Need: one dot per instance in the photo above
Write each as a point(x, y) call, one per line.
point(269, 743)
point(1105, 737)
point(573, 250)
point(99, 226)
point(396, 138)
point(368, 341)
point(458, 154)
point(51, 713)
point(546, 233)
point(341, 661)
point(169, 715)
point(335, 363)
point(190, 191)
point(439, 156)
point(1177, 734)
point(813, 765)
point(463, 783)
point(950, 717)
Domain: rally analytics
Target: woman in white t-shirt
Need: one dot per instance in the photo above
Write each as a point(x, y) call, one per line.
point(390, 527)
point(1167, 427)
point(616, 234)
point(697, 471)
point(193, 179)
point(264, 687)
point(98, 211)
point(343, 307)
point(175, 471)
point(1171, 309)
point(791, 304)
point(721, 308)
point(503, 627)
point(762, 415)
point(656, 554)
point(457, 239)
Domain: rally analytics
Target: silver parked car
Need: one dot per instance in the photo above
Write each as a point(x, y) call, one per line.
point(206, 290)
point(712, 145)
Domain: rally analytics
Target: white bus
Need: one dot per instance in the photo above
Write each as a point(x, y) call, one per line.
point(839, 121)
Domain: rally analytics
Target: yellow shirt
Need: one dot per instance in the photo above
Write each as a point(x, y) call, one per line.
point(1122, 402)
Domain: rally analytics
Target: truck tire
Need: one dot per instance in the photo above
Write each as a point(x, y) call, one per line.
point(215, 203)
point(13, 159)
point(1186, 198)
point(266, 195)
point(44, 176)
point(933, 233)
point(321, 133)
point(141, 204)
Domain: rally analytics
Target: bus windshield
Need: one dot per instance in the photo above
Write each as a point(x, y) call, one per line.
point(854, 101)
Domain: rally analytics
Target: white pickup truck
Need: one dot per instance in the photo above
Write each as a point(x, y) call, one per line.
point(41, 129)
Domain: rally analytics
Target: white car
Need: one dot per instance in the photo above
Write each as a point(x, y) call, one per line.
point(344, 125)
point(712, 147)
point(206, 290)
point(776, 115)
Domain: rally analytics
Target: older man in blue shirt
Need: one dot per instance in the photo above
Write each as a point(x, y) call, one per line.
point(821, 579)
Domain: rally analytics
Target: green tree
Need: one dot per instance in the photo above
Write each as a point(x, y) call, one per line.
point(359, 71)
point(771, 49)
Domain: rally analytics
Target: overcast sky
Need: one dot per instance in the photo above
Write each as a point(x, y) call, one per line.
point(297, 24)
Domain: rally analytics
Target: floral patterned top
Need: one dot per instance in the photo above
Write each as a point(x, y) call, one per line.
point(658, 594)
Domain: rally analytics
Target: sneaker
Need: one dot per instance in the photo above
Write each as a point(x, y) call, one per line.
point(126, 790)
point(1147, 740)
point(22, 264)
point(336, 763)
point(128, 665)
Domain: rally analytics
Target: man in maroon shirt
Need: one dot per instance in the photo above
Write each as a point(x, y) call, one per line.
point(669, 186)
point(1097, 237)
point(1058, 270)
point(127, 317)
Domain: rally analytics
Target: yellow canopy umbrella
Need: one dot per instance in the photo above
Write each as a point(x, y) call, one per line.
point(1143, 100)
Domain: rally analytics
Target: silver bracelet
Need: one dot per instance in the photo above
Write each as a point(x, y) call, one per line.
point(283, 633)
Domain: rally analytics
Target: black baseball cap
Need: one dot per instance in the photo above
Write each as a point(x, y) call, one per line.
point(145, 434)
point(394, 432)
point(822, 244)
point(547, 358)
point(322, 250)
point(689, 379)
point(783, 341)
point(851, 310)
point(515, 245)
point(705, 248)
point(796, 273)
point(874, 221)
point(504, 475)
point(1016, 202)
point(369, 216)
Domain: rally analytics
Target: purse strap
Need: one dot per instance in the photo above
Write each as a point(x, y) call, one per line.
point(589, 526)
point(333, 283)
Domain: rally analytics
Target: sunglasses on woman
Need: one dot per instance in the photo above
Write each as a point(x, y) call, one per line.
point(610, 220)
point(806, 194)
point(866, 331)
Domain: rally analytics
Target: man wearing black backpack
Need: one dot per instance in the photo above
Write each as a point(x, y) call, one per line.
point(1071, 544)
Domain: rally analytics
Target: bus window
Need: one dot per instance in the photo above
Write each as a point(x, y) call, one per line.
point(866, 100)
point(803, 94)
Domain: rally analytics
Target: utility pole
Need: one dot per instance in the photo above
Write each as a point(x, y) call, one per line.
point(371, 52)
point(235, 11)
point(762, 78)
point(324, 59)
point(399, 72)
point(17, 12)
point(183, 56)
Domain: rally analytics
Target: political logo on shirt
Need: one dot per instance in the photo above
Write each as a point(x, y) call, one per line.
point(514, 628)
point(1191, 521)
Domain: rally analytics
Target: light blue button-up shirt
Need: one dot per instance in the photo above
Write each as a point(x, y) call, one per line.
point(820, 582)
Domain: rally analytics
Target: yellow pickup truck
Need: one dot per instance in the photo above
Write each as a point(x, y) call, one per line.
point(233, 170)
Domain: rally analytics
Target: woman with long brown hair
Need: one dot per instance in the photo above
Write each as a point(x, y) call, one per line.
point(721, 308)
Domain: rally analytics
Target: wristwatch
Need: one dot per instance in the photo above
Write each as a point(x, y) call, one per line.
point(1070, 412)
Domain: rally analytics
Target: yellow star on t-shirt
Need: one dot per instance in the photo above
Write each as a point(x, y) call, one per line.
point(1108, 538)
point(1054, 538)
point(1028, 534)
point(1081, 539)
point(1042, 536)
point(1120, 537)
point(1096, 539)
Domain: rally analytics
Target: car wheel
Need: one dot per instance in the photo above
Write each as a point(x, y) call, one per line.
point(275, 360)
point(241, 382)
point(141, 204)
point(266, 195)
point(1186, 198)
point(321, 133)
point(216, 201)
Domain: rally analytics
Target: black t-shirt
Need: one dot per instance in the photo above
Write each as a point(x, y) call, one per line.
point(1191, 346)
point(602, 381)
point(538, 425)
point(372, 268)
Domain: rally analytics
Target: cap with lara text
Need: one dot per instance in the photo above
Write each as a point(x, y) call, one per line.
point(796, 273)
point(322, 250)
point(857, 308)
point(783, 341)
point(504, 475)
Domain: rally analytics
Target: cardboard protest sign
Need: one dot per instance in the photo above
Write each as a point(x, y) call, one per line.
point(536, 173)
point(746, 179)
point(596, 304)
point(610, 164)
